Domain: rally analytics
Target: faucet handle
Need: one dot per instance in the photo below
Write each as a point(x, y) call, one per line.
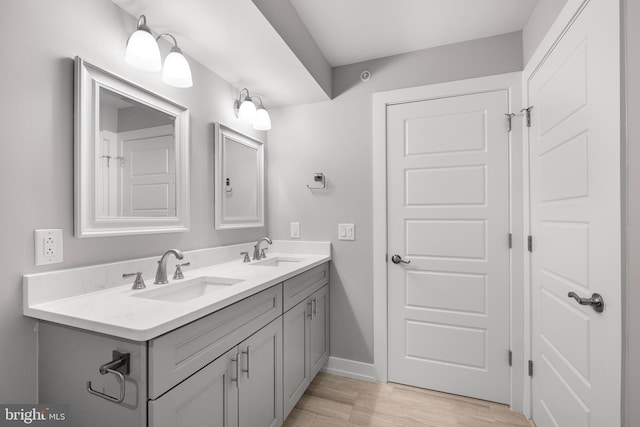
point(178, 274)
point(263, 254)
point(246, 256)
point(138, 283)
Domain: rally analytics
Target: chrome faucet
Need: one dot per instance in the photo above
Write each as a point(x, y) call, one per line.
point(256, 248)
point(161, 272)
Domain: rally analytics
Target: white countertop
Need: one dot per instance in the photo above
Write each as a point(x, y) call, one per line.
point(115, 311)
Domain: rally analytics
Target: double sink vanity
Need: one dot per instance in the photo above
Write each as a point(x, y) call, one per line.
point(232, 340)
point(233, 343)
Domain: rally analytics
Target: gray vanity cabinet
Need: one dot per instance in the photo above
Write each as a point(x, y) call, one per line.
point(306, 332)
point(319, 330)
point(68, 361)
point(245, 365)
point(243, 387)
point(297, 373)
point(260, 378)
point(208, 398)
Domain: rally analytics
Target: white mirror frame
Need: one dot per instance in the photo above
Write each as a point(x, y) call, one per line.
point(223, 132)
point(88, 81)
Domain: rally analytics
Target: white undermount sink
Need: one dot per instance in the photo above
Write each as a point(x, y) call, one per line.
point(276, 261)
point(188, 289)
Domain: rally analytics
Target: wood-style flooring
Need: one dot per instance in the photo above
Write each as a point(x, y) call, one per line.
point(343, 402)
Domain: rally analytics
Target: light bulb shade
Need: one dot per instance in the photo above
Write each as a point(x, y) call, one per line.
point(176, 71)
point(143, 52)
point(247, 111)
point(262, 120)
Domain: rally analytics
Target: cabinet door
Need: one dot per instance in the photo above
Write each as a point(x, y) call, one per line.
point(260, 382)
point(295, 357)
point(319, 330)
point(208, 398)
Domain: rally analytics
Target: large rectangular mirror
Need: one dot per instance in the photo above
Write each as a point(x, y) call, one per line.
point(239, 179)
point(131, 158)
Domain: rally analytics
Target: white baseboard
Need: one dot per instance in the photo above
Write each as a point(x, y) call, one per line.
point(350, 369)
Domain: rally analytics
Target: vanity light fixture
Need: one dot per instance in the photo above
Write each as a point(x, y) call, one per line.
point(244, 107)
point(176, 71)
point(143, 53)
point(262, 120)
point(246, 111)
point(142, 49)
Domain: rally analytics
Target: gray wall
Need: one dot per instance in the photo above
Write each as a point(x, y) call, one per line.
point(540, 20)
point(632, 376)
point(40, 39)
point(108, 118)
point(334, 137)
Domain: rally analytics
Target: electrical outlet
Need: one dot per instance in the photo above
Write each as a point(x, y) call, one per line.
point(295, 230)
point(48, 246)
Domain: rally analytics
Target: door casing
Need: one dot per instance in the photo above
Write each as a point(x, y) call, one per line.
point(511, 82)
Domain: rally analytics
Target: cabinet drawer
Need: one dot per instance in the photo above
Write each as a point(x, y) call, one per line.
point(208, 398)
point(301, 286)
point(180, 353)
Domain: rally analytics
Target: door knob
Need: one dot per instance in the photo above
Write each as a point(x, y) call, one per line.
point(397, 259)
point(596, 301)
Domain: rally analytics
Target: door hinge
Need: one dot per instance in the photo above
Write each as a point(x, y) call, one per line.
point(509, 118)
point(510, 240)
point(510, 358)
point(530, 243)
point(530, 368)
point(527, 113)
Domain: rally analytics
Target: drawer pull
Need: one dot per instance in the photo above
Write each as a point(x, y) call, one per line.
point(248, 355)
point(236, 362)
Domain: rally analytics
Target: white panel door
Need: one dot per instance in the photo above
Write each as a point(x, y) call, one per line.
point(149, 172)
point(574, 151)
point(448, 215)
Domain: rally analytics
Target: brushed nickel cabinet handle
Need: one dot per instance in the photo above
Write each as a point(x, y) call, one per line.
point(248, 353)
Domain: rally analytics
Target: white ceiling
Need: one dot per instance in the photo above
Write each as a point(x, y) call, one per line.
point(349, 31)
point(234, 40)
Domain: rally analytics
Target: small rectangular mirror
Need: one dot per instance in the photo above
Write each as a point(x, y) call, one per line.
point(131, 158)
point(239, 180)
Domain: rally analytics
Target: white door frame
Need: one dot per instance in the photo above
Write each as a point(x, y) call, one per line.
point(511, 82)
point(566, 16)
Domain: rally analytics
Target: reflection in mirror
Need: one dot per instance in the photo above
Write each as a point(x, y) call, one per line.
point(131, 158)
point(136, 173)
point(239, 180)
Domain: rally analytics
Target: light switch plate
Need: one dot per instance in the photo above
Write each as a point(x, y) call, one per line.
point(295, 230)
point(48, 246)
point(346, 232)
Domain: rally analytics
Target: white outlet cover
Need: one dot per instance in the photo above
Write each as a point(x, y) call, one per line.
point(346, 232)
point(295, 230)
point(48, 246)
